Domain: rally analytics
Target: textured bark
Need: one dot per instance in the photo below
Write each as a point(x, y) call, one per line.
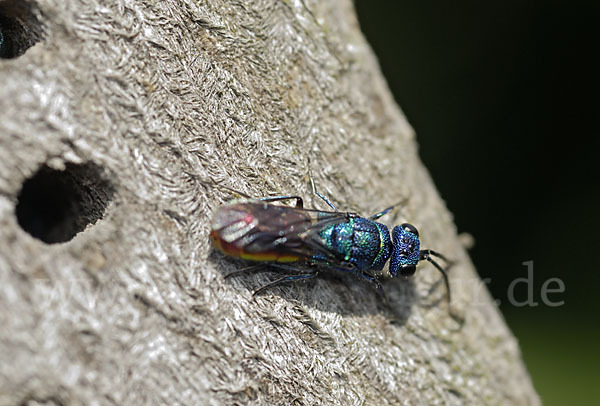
point(123, 110)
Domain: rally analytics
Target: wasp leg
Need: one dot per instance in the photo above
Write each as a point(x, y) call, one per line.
point(386, 211)
point(350, 268)
point(250, 269)
point(381, 213)
point(299, 201)
point(374, 281)
point(316, 192)
point(231, 189)
point(260, 267)
point(285, 279)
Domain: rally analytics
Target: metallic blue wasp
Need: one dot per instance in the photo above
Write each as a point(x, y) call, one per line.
point(314, 240)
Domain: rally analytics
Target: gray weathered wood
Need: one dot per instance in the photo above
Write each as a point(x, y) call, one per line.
point(154, 97)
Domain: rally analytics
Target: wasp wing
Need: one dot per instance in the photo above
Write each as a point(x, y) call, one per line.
point(257, 230)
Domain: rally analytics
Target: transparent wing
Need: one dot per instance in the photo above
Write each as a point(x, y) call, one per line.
point(255, 227)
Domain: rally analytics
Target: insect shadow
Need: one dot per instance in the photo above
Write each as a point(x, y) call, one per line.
point(341, 293)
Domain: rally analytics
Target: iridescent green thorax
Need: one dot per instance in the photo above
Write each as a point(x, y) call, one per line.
point(364, 243)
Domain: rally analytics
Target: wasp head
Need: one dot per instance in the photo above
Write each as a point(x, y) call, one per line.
point(405, 251)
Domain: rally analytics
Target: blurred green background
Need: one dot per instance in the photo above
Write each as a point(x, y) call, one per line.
point(504, 98)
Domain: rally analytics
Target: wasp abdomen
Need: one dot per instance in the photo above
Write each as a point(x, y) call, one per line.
point(364, 243)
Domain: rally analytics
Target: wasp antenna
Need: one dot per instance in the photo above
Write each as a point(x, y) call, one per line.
point(437, 254)
point(426, 255)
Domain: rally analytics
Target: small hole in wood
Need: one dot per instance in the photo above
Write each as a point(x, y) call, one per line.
point(55, 205)
point(20, 27)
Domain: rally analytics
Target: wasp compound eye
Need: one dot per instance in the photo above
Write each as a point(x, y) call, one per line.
point(407, 271)
point(410, 228)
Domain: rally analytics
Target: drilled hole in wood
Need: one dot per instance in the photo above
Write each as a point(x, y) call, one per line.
point(55, 205)
point(20, 27)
